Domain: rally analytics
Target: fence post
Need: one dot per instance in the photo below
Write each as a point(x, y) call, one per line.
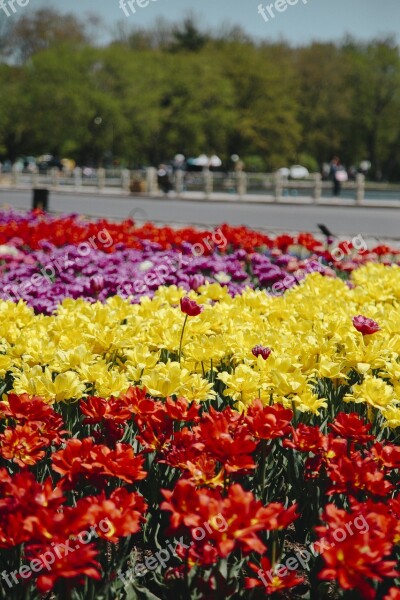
point(77, 177)
point(360, 193)
point(54, 176)
point(125, 179)
point(151, 181)
point(241, 184)
point(278, 187)
point(14, 175)
point(35, 177)
point(178, 182)
point(208, 183)
point(317, 188)
point(101, 178)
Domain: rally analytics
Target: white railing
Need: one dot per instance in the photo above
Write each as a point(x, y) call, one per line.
point(271, 187)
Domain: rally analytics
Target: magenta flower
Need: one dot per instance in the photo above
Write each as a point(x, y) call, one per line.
point(261, 351)
point(365, 326)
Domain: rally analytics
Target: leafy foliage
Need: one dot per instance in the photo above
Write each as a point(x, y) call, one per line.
point(176, 88)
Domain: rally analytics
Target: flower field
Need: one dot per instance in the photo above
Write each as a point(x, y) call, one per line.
point(196, 414)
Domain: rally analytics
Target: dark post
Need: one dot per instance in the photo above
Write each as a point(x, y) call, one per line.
point(40, 199)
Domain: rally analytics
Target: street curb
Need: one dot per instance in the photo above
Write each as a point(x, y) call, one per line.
point(268, 201)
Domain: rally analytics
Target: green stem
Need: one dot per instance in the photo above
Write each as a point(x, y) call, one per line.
point(294, 413)
point(263, 468)
point(180, 341)
point(274, 553)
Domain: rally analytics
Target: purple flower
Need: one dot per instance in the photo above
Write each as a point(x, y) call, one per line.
point(196, 281)
point(261, 351)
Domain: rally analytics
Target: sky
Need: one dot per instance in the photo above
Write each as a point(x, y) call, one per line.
point(300, 22)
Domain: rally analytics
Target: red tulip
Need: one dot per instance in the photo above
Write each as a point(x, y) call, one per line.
point(351, 427)
point(190, 307)
point(365, 326)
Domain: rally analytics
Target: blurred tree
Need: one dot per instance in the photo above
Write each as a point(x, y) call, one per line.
point(158, 37)
point(15, 117)
point(198, 106)
point(375, 83)
point(57, 104)
point(266, 109)
point(4, 38)
point(42, 29)
point(325, 101)
point(187, 37)
point(153, 92)
point(229, 33)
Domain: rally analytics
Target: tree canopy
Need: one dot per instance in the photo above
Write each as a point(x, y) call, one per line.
point(151, 93)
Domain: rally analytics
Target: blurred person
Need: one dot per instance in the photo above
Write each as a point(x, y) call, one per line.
point(338, 175)
point(163, 179)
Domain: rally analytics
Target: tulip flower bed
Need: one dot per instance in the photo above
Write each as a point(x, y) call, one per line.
point(193, 445)
point(45, 259)
point(212, 437)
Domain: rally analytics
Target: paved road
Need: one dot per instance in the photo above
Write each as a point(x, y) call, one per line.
point(343, 220)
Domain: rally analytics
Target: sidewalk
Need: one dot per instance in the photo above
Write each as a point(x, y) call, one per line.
point(224, 197)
